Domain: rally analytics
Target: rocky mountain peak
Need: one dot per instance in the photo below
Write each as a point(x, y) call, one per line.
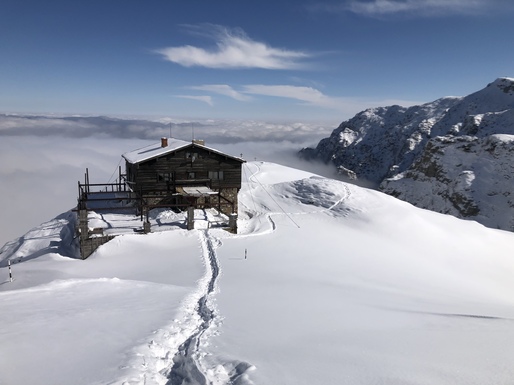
point(504, 84)
point(452, 155)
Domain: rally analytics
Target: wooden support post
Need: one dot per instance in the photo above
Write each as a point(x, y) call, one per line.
point(190, 218)
point(119, 178)
point(232, 223)
point(87, 181)
point(142, 203)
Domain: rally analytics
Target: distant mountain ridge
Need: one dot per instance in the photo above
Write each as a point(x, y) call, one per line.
point(453, 155)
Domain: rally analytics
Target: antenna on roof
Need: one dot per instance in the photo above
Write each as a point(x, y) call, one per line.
point(170, 130)
point(192, 132)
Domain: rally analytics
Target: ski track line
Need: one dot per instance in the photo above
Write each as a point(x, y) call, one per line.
point(348, 194)
point(255, 173)
point(187, 368)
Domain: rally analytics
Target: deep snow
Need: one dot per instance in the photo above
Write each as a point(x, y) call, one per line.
point(340, 285)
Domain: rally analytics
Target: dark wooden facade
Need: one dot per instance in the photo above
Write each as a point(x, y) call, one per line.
point(165, 175)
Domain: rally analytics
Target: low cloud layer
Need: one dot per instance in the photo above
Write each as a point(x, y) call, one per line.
point(213, 131)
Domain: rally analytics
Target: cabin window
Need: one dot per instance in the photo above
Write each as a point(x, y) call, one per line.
point(190, 175)
point(165, 177)
point(192, 155)
point(216, 175)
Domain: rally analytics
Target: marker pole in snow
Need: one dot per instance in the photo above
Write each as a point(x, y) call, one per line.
point(10, 271)
point(245, 253)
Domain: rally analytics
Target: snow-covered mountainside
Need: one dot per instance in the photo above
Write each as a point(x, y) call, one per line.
point(452, 155)
point(325, 283)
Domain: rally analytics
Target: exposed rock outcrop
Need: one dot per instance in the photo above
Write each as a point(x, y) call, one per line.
point(453, 155)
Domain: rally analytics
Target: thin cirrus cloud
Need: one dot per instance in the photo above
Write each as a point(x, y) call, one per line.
point(222, 89)
point(380, 8)
point(308, 95)
point(233, 49)
point(201, 98)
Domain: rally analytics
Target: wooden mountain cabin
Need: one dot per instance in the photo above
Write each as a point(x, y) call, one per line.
point(171, 174)
point(179, 174)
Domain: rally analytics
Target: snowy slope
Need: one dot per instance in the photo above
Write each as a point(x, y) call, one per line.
point(122, 312)
point(339, 285)
point(412, 153)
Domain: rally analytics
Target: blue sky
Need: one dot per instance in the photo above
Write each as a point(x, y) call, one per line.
point(269, 60)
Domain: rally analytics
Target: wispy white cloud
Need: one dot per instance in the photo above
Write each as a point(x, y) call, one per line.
point(222, 89)
point(381, 8)
point(309, 95)
point(233, 49)
point(347, 106)
point(201, 98)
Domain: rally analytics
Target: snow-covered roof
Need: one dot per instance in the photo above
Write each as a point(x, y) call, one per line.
point(156, 150)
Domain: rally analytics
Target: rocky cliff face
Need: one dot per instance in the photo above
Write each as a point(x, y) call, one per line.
point(453, 155)
point(380, 142)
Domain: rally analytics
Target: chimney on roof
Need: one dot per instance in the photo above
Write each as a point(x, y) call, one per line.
point(164, 142)
point(199, 141)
